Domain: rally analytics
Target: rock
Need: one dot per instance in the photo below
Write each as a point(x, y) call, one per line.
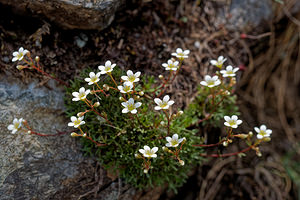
point(70, 14)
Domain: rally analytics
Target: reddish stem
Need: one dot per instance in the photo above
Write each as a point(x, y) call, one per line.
point(227, 154)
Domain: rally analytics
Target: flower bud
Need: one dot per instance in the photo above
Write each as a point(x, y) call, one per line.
point(242, 136)
point(73, 134)
point(266, 139)
point(162, 123)
point(160, 76)
point(174, 115)
point(121, 99)
point(80, 114)
point(37, 59)
point(181, 162)
point(258, 153)
point(225, 143)
point(141, 93)
point(84, 135)
point(165, 149)
point(250, 134)
point(138, 97)
point(20, 67)
point(29, 132)
point(146, 171)
point(180, 113)
point(97, 104)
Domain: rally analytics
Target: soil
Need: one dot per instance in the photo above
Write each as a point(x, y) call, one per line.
point(142, 38)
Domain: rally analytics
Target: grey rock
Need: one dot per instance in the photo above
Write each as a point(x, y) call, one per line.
point(70, 14)
point(33, 167)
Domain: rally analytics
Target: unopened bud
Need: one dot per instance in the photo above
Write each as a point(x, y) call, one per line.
point(29, 132)
point(37, 59)
point(92, 92)
point(138, 97)
point(73, 134)
point(80, 114)
point(165, 149)
point(181, 162)
point(137, 155)
point(160, 76)
point(225, 143)
point(20, 67)
point(250, 134)
point(146, 171)
point(97, 104)
point(242, 136)
point(258, 153)
point(174, 115)
point(180, 113)
point(162, 123)
point(84, 135)
point(122, 99)
point(106, 87)
point(141, 93)
point(266, 139)
point(227, 92)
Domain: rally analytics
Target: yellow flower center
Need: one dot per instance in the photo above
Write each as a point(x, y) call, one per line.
point(20, 55)
point(262, 133)
point(77, 122)
point(16, 125)
point(232, 122)
point(163, 104)
point(131, 78)
point(81, 96)
point(130, 107)
point(148, 153)
point(229, 72)
point(174, 142)
point(107, 68)
point(210, 82)
point(126, 88)
point(94, 79)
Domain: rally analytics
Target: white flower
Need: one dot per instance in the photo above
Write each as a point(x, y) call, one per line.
point(229, 71)
point(218, 63)
point(147, 152)
point(131, 77)
point(130, 106)
point(210, 81)
point(263, 132)
point(232, 121)
point(181, 54)
point(174, 141)
point(163, 104)
point(127, 87)
point(81, 95)
point(76, 121)
point(171, 65)
point(15, 126)
point(19, 55)
point(94, 78)
point(107, 68)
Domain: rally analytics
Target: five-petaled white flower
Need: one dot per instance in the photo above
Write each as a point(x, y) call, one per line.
point(81, 95)
point(107, 68)
point(15, 126)
point(127, 87)
point(232, 121)
point(181, 54)
point(131, 78)
point(229, 72)
point(94, 78)
point(218, 63)
point(210, 81)
point(130, 106)
point(174, 141)
point(147, 152)
point(263, 132)
point(163, 104)
point(76, 121)
point(19, 55)
point(171, 65)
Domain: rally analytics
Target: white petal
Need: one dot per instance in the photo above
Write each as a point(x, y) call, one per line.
point(21, 49)
point(203, 83)
point(234, 126)
point(234, 117)
point(124, 104)
point(125, 110)
point(14, 131)
point(215, 78)
point(227, 124)
point(10, 127)
point(166, 98)
point(269, 131)
point(171, 102)
point(131, 101)
point(218, 82)
point(223, 71)
point(142, 151)
point(169, 139)
point(213, 62)
point(207, 78)
point(229, 68)
point(220, 58)
point(157, 108)
point(120, 88)
point(73, 118)
point(129, 73)
point(134, 111)
point(101, 68)
point(157, 101)
point(175, 137)
point(227, 118)
point(125, 78)
point(154, 149)
point(235, 69)
point(112, 66)
point(263, 127)
point(238, 122)
point(70, 124)
point(92, 74)
point(137, 74)
point(138, 104)
point(147, 147)
point(257, 129)
point(87, 79)
point(82, 90)
point(108, 63)
point(168, 145)
point(178, 50)
point(259, 136)
point(186, 52)
point(165, 65)
point(154, 156)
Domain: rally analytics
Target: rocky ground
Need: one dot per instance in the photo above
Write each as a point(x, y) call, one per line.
point(142, 36)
